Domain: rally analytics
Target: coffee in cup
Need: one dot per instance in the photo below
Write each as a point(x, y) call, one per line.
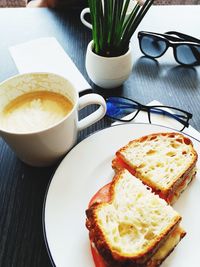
point(34, 111)
point(39, 116)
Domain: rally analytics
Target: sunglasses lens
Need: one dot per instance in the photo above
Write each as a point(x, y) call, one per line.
point(152, 46)
point(188, 55)
point(118, 108)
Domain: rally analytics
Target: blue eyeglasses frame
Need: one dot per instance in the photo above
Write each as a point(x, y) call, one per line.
point(155, 109)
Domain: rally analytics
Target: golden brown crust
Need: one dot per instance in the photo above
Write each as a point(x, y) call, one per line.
point(172, 188)
point(114, 258)
point(154, 262)
point(116, 166)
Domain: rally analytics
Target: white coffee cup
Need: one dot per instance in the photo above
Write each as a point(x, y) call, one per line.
point(43, 147)
point(87, 11)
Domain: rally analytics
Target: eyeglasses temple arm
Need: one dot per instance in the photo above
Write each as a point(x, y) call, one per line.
point(185, 36)
point(165, 35)
point(175, 116)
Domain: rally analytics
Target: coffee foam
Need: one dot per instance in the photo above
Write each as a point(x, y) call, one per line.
point(34, 111)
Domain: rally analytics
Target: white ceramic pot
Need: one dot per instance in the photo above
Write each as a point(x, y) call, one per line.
point(108, 72)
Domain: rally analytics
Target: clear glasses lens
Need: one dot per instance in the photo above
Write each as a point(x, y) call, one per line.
point(152, 46)
point(188, 55)
point(118, 108)
point(168, 117)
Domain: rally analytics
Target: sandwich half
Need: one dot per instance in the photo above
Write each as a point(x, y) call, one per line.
point(129, 226)
point(166, 162)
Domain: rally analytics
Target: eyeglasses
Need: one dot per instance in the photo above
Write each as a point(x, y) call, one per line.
point(119, 107)
point(186, 48)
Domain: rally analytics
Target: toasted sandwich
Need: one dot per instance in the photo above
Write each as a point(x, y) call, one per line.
point(130, 226)
point(166, 162)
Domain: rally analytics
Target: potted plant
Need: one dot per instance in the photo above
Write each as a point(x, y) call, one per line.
point(108, 57)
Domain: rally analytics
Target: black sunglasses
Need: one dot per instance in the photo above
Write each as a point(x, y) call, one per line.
point(119, 107)
point(186, 48)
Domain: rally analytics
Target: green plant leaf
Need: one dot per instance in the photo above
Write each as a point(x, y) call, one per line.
point(111, 29)
point(138, 18)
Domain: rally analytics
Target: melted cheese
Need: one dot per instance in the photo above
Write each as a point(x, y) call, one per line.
point(168, 246)
point(183, 186)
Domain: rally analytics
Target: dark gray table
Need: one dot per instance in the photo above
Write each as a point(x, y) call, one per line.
point(22, 188)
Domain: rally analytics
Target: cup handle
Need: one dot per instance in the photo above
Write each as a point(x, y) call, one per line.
point(83, 12)
point(96, 115)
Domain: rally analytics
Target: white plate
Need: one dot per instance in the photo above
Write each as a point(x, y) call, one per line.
point(85, 169)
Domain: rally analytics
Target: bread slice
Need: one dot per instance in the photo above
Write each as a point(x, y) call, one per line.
point(166, 162)
point(136, 227)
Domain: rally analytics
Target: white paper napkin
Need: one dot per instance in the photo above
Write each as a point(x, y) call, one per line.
point(161, 120)
point(47, 55)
